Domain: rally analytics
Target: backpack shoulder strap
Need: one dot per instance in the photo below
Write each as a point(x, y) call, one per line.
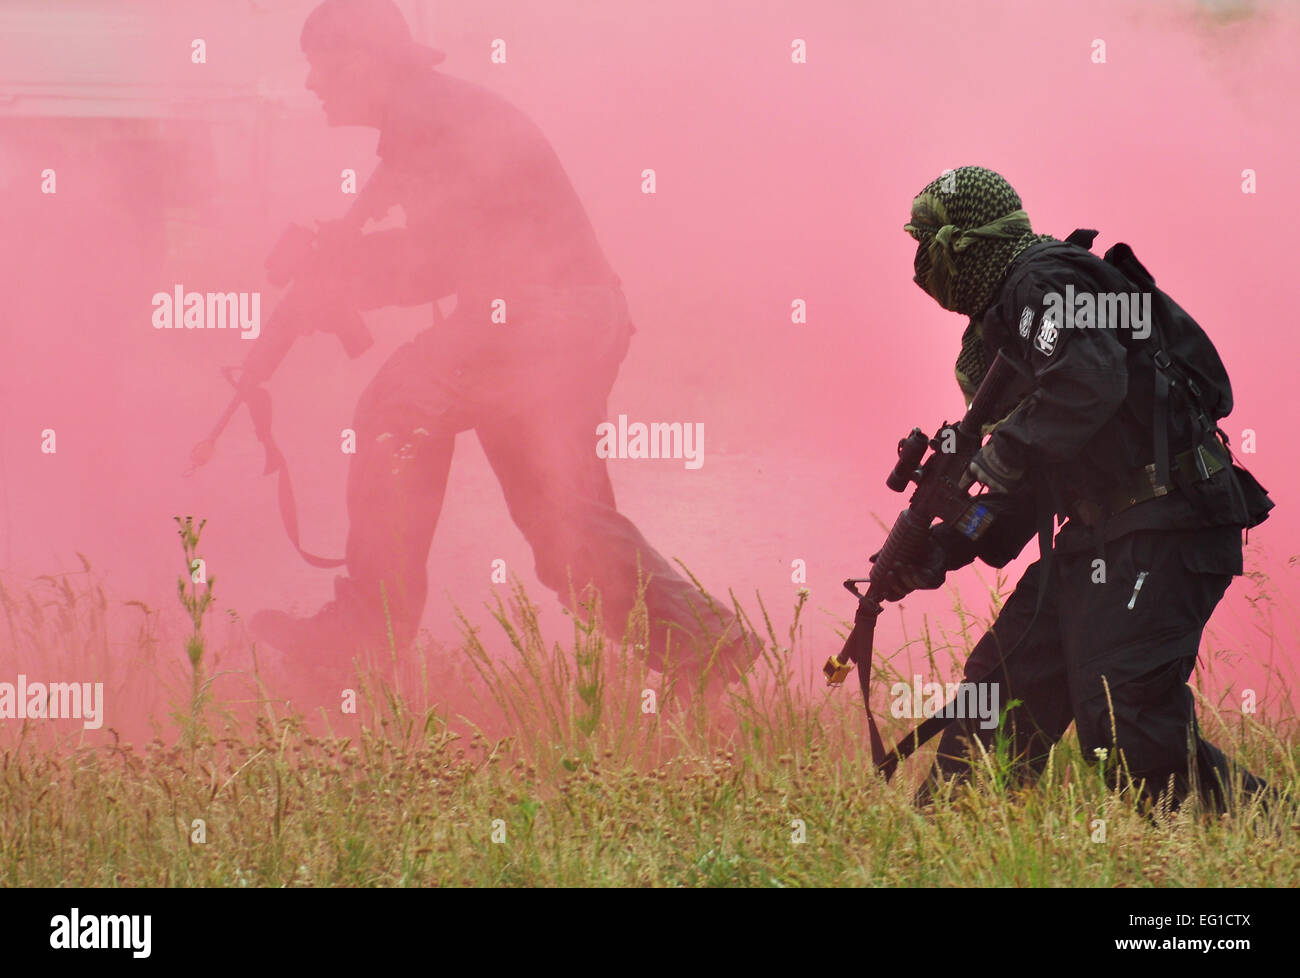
point(1083, 237)
point(1168, 372)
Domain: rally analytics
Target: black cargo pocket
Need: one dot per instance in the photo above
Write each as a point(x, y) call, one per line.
point(1214, 551)
point(1257, 499)
point(1161, 683)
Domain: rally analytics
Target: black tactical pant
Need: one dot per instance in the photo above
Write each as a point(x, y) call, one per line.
point(1115, 658)
point(534, 390)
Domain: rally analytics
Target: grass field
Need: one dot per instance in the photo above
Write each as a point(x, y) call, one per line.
point(556, 775)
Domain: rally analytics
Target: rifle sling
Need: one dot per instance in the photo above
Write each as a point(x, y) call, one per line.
point(859, 647)
point(259, 407)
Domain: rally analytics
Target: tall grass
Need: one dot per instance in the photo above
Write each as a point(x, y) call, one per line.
point(574, 765)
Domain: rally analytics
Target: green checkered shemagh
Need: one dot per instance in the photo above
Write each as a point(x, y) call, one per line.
point(969, 226)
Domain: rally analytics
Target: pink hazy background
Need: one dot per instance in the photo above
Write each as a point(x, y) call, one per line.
point(776, 181)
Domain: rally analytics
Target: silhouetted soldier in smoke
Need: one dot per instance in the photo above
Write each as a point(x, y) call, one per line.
point(490, 215)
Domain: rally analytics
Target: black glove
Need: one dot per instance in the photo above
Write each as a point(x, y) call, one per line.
point(991, 469)
point(926, 575)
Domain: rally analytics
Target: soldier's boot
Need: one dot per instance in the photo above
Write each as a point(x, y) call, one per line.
point(322, 648)
point(709, 664)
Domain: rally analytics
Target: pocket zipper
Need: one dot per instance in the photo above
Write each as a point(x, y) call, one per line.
point(1142, 576)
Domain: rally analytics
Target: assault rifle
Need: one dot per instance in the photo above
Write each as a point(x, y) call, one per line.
point(295, 258)
point(317, 302)
point(938, 496)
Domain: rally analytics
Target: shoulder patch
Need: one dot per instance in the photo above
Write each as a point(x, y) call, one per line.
point(1048, 333)
point(1026, 322)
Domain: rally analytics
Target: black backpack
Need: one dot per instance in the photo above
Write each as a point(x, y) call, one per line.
point(1187, 362)
point(1188, 365)
point(1181, 337)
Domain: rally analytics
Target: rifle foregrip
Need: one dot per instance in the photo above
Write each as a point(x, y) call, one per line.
point(290, 256)
point(906, 545)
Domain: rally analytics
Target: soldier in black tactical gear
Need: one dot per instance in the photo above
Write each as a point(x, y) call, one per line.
point(1119, 439)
